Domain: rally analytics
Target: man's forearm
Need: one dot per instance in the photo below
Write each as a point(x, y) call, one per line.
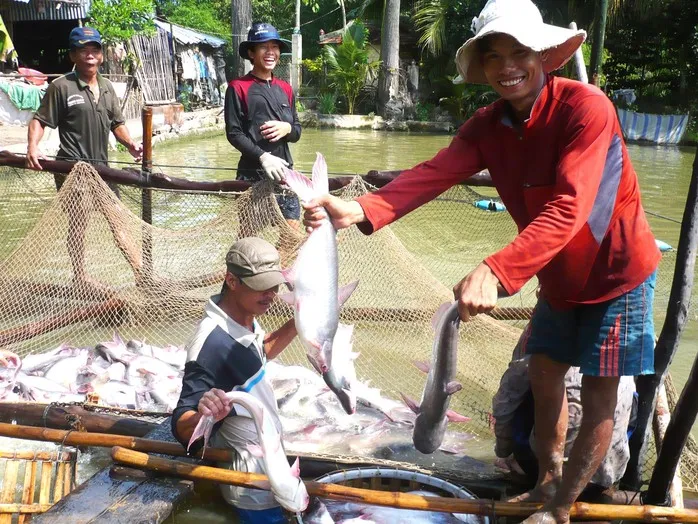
point(123, 136)
point(187, 423)
point(276, 342)
point(34, 134)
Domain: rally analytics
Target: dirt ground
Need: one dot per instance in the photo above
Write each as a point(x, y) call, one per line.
point(10, 135)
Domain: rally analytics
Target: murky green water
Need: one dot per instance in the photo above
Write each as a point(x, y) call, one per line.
point(664, 177)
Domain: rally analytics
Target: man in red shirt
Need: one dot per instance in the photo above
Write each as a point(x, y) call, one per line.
point(555, 151)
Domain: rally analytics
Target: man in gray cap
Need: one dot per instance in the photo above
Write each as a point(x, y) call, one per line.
point(229, 352)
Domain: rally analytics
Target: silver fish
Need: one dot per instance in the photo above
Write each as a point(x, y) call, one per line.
point(284, 480)
point(172, 355)
point(433, 413)
point(314, 276)
point(341, 377)
point(115, 350)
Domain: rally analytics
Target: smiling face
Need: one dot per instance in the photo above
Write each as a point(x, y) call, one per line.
point(514, 71)
point(264, 57)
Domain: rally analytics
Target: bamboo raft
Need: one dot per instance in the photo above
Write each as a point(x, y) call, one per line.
point(53, 473)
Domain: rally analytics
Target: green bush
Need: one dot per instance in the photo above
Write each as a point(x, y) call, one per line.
point(349, 66)
point(327, 103)
point(423, 111)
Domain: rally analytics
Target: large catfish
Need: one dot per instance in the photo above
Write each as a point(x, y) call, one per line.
point(341, 377)
point(433, 414)
point(313, 278)
point(284, 480)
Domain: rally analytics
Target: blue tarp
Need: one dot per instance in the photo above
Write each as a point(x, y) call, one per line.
point(660, 129)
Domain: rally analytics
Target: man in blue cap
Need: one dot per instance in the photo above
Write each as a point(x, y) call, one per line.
point(84, 107)
point(260, 115)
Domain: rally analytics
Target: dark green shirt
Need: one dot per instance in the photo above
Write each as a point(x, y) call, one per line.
point(83, 124)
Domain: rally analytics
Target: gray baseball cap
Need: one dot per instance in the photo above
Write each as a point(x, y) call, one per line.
point(256, 262)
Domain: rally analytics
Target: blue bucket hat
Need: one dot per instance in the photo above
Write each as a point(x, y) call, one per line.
point(262, 32)
point(81, 36)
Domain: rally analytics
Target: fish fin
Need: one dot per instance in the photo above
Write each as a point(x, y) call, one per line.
point(440, 312)
point(345, 292)
point(321, 183)
point(290, 275)
point(354, 355)
point(289, 298)
point(300, 185)
point(453, 416)
point(262, 484)
point(422, 365)
point(410, 403)
point(453, 387)
point(296, 469)
point(342, 336)
point(255, 450)
point(202, 429)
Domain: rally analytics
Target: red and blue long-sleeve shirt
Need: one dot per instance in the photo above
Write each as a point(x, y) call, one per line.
point(566, 179)
point(249, 103)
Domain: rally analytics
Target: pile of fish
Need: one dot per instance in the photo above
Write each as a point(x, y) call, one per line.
point(321, 511)
point(122, 374)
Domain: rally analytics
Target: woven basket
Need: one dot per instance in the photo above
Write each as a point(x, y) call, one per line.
point(391, 479)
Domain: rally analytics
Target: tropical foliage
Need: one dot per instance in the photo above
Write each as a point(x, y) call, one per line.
point(119, 21)
point(349, 64)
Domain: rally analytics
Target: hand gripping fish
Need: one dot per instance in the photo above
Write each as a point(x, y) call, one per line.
point(314, 277)
point(284, 480)
point(433, 413)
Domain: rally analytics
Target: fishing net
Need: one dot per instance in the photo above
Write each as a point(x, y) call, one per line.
point(78, 264)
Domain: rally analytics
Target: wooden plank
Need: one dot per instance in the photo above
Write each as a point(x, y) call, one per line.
point(9, 482)
point(107, 498)
point(8, 488)
point(8, 509)
point(69, 478)
point(58, 482)
point(29, 482)
point(45, 483)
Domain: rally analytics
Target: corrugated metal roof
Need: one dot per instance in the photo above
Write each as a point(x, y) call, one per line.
point(187, 36)
point(19, 11)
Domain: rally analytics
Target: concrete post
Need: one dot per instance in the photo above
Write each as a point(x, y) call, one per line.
point(296, 58)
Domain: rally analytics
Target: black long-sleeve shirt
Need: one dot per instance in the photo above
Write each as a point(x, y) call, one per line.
point(249, 103)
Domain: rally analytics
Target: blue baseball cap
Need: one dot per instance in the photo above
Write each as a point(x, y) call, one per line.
point(262, 32)
point(81, 36)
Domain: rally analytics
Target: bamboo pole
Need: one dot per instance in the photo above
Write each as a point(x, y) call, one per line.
point(130, 177)
point(579, 60)
point(63, 417)
point(665, 349)
point(105, 440)
point(147, 194)
point(491, 508)
point(662, 417)
point(29, 482)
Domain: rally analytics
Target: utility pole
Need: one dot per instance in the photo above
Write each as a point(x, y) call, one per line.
point(598, 42)
point(296, 51)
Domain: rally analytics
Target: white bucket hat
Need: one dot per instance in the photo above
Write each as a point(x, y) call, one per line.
point(522, 20)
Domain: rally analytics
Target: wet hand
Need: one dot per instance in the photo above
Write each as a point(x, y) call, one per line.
point(477, 292)
point(136, 151)
point(342, 214)
point(508, 464)
point(274, 130)
point(214, 404)
point(32, 159)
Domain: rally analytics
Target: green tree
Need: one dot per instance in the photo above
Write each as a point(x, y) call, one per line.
point(349, 65)
point(119, 21)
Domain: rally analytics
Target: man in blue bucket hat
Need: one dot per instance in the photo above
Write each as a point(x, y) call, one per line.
point(260, 116)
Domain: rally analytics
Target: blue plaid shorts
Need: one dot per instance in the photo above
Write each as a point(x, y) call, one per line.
point(609, 339)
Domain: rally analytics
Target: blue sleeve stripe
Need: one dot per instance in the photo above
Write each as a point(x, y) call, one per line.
point(252, 382)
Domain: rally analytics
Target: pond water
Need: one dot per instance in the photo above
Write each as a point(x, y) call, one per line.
point(664, 173)
point(664, 178)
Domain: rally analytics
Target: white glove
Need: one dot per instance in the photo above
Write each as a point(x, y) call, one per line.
point(273, 166)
